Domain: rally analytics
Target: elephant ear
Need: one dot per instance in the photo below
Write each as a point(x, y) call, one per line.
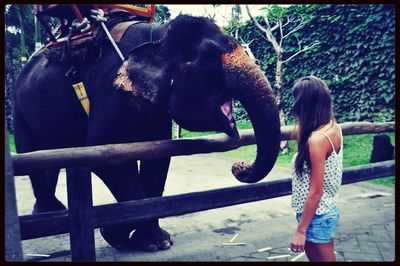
point(144, 74)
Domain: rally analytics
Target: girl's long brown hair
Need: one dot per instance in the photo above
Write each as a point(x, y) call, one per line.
point(312, 108)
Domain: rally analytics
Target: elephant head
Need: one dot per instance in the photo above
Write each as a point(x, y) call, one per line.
point(194, 71)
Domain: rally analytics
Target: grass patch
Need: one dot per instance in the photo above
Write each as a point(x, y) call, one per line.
point(384, 181)
point(11, 141)
point(356, 151)
point(249, 153)
point(189, 134)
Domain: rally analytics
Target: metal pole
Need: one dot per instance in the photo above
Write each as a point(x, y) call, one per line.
point(98, 15)
point(112, 41)
point(38, 41)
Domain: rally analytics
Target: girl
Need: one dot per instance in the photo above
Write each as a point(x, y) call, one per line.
point(316, 170)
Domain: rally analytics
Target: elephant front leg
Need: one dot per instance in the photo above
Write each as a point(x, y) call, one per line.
point(148, 234)
point(124, 183)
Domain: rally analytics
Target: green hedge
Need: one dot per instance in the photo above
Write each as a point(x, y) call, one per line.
point(355, 57)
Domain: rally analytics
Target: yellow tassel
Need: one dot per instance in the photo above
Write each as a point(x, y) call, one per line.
point(82, 96)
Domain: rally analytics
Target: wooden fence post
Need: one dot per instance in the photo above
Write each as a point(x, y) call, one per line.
point(80, 206)
point(13, 247)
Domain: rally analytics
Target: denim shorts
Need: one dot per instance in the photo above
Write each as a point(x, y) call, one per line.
point(322, 227)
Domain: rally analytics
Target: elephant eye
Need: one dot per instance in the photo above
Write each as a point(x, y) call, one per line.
point(208, 61)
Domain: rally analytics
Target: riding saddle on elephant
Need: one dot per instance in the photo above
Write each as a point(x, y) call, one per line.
point(77, 20)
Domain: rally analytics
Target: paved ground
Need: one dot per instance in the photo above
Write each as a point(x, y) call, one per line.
point(365, 232)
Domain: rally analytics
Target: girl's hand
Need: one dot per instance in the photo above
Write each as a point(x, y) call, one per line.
point(298, 242)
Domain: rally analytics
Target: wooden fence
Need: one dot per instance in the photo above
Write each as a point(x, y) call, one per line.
point(82, 217)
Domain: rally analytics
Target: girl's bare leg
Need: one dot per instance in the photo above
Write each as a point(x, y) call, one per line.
point(320, 252)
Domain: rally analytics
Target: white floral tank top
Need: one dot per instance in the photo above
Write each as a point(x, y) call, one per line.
point(332, 181)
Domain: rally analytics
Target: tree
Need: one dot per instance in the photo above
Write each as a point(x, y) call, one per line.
point(235, 21)
point(19, 34)
point(285, 25)
point(19, 18)
point(162, 14)
point(213, 13)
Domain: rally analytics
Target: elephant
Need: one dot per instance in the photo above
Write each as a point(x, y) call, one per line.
point(186, 70)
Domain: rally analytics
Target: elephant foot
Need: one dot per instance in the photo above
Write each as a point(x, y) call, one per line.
point(150, 239)
point(117, 237)
point(48, 206)
point(144, 239)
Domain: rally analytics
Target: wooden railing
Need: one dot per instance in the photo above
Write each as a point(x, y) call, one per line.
point(82, 218)
point(119, 153)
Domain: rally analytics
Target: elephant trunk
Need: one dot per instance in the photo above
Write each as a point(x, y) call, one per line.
point(250, 86)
